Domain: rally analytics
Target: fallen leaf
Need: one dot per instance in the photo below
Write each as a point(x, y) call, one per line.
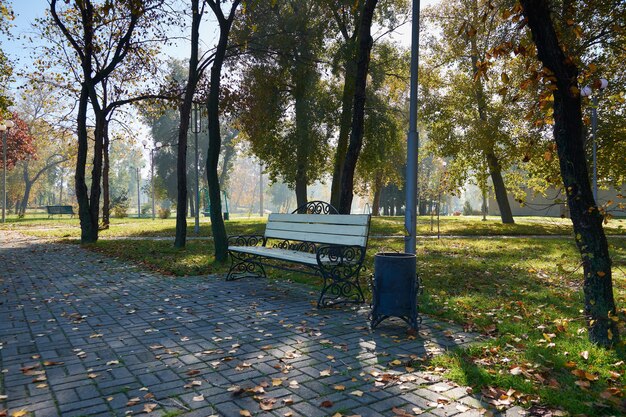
point(109, 363)
point(462, 408)
point(396, 362)
point(52, 363)
point(192, 372)
point(326, 404)
point(3, 413)
point(92, 376)
point(277, 382)
point(339, 387)
point(585, 354)
point(148, 408)
point(325, 372)
point(401, 413)
point(198, 398)
point(417, 411)
point(245, 413)
point(133, 401)
point(357, 393)
point(41, 386)
point(19, 413)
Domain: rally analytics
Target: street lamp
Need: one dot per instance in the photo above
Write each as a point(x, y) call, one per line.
point(157, 145)
point(4, 128)
point(587, 91)
point(196, 127)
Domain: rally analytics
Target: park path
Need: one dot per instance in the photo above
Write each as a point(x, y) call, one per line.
point(85, 335)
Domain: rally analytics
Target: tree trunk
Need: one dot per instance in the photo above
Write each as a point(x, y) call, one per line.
point(27, 187)
point(347, 101)
point(192, 206)
point(220, 238)
point(106, 192)
point(302, 109)
point(499, 189)
point(358, 114)
point(568, 135)
point(376, 201)
point(88, 230)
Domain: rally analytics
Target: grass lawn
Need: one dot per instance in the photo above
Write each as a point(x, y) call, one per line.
point(524, 293)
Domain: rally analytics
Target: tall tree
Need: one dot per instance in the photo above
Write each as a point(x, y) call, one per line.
point(561, 73)
point(225, 22)
point(358, 114)
point(345, 18)
point(101, 35)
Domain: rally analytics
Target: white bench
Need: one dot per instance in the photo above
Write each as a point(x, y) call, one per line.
point(331, 245)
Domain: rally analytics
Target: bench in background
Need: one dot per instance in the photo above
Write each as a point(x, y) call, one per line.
point(52, 210)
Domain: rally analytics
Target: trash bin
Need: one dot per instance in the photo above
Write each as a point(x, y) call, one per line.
point(395, 288)
point(226, 216)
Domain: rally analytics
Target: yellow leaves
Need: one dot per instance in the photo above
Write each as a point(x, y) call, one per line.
point(325, 372)
point(339, 387)
point(276, 382)
point(245, 413)
point(578, 31)
point(19, 413)
point(547, 156)
point(505, 78)
point(396, 362)
point(148, 408)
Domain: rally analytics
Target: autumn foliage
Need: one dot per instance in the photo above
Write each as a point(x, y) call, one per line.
point(19, 142)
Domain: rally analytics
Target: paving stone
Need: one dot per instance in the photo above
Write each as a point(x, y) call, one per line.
point(62, 299)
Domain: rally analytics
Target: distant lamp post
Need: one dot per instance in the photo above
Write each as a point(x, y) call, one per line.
point(138, 193)
point(196, 127)
point(157, 145)
point(4, 128)
point(587, 91)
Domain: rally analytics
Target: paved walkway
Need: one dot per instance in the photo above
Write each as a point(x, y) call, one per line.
point(85, 335)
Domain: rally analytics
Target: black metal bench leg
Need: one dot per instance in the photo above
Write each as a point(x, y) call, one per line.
point(244, 265)
point(340, 291)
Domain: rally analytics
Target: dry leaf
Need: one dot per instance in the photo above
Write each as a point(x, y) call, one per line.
point(92, 376)
point(277, 382)
point(133, 401)
point(462, 408)
point(339, 387)
point(396, 362)
point(52, 363)
point(192, 372)
point(109, 363)
point(19, 413)
point(325, 372)
point(326, 404)
point(288, 401)
point(401, 413)
point(357, 393)
point(585, 354)
point(41, 386)
point(198, 398)
point(245, 413)
point(3, 413)
point(148, 408)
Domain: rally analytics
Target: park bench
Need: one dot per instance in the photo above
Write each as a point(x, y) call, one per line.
point(52, 210)
point(328, 245)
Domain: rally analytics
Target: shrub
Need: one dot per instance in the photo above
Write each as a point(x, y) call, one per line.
point(164, 213)
point(467, 208)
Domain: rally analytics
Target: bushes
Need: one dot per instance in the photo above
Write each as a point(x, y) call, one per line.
point(164, 213)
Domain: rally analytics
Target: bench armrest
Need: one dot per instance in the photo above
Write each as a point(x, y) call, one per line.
point(246, 240)
point(331, 256)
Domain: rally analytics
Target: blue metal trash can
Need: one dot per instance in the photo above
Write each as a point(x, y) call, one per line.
point(395, 288)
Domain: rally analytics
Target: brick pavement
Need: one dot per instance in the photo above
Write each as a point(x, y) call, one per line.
point(85, 335)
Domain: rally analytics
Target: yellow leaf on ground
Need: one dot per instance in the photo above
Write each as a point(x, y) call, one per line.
point(245, 413)
point(325, 372)
point(198, 398)
point(339, 387)
point(395, 363)
point(357, 393)
point(148, 408)
point(19, 413)
point(277, 382)
point(585, 354)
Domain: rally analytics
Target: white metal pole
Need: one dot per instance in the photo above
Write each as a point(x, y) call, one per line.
point(152, 178)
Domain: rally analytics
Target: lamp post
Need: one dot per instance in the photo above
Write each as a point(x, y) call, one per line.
point(157, 145)
point(196, 126)
point(587, 91)
point(4, 128)
point(138, 194)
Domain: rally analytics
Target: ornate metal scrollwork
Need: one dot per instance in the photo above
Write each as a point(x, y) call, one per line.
point(309, 247)
point(340, 267)
point(245, 263)
point(246, 240)
point(316, 207)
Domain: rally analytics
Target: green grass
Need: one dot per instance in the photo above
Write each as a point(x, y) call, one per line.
point(64, 227)
point(524, 293)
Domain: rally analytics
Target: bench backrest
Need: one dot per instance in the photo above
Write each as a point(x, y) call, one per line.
point(340, 229)
point(60, 209)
